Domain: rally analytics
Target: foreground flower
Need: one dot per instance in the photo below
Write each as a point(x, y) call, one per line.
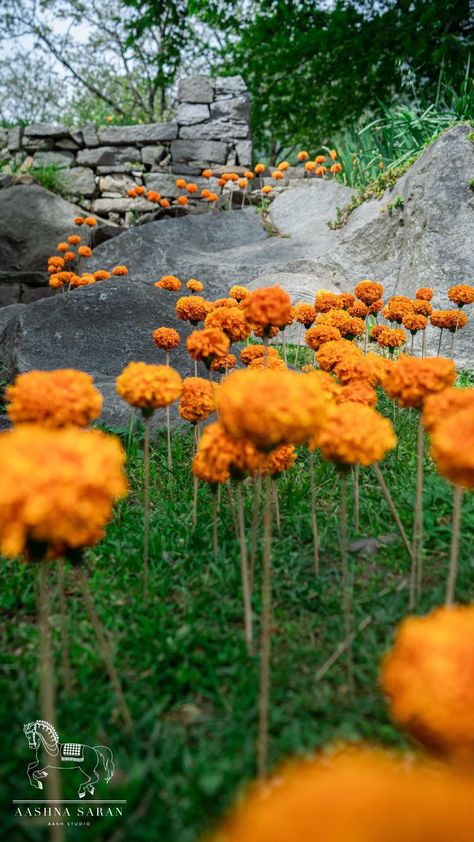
point(239, 292)
point(207, 345)
point(272, 407)
point(166, 338)
point(332, 352)
point(452, 448)
point(197, 400)
point(428, 678)
point(461, 294)
point(358, 391)
point(149, 387)
point(61, 502)
point(224, 364)
point(231, 320)
point(220, 456)
point(424, 294)
point(440, 406)
point(355, 794)
point(192, 308)
point(411, 379)
point(267, 307)
point(356, 434)
point(252, 352)
point(369, 291)
point(281, 459)
point(54, 398)
point(451, 320)
point(169, 282)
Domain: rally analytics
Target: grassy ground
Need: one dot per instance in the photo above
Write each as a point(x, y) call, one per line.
point(191, 687)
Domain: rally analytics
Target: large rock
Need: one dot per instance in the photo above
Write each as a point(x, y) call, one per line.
point(196, 89)
point(204, 151)
point(146, 133)
point(108, 156)
point(188, 115)
point(99, 329)
point(80, 181)
point(61, 160)
point(46, 130)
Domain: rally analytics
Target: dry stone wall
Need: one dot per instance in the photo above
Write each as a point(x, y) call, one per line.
point(99, 165)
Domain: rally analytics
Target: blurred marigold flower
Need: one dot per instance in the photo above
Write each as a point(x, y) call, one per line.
point(194, 285)
point(55, 398)
point(452, 448)
point(192, 308)
point(412, 379)
point(356, 434)
point(197, 400)
point(166, 338)
point(267, 307)
point(149, 387)
point(439, 406)
point(120, 270)
point(169, 282)
point(205, 345)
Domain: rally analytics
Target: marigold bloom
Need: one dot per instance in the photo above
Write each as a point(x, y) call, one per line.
point(180, 183)
point(369, 291)
point(414, 322)
point(310, 166)
point(70, 255)
point(422, 308)
point(62, 247)
point(332, 352)
point(281, 459)
point(78, 220)
point(120, 270)
point(303, 155)
point(324, 381)
point(261, 332)
point(90, 221)
point(149, 387)
point(84, 251)
point(358, 310)
point(356, 434)
point(195, 285)
point(381, 366)
point(395, 311)
point(274, 362)
point(333, 154)
point(221, 302)
point(192, 308)
point(182, 201)
point(451, 320)
point(336, 168)
point(206, 345)
point(132, 193)
point(164, 203)
point(207, 173)
point(153, 196)
point(376, 307)
point(319, 334)
point(452, 448)
point(358, 391)
point(139, 190)
point(102, 275)
point(277, 175)
point(192, 188)
point(391, 338)
point(355, 367)
point(429, 679)
point(267, 189)
point(249, 174)
point(267, 307)
point(63, 501)
point(56, 261)
point(74, 239)
point(412, 379)
point(441, 405)
point(355, 327)
point(305, 314)
point(221, 456)
point(55, 281)
point(252, 352)
point(243, 183)
point(224, 364)
point(197, 400)
point(205, 193)
point(259, 168)
point(320, 159)
point(239, 292)
point(166, 338)
point(354, 794)
point(347, 299)
point(272, 407)
point(319, 171)
point(231, 320)
point(53, 398)
point(169, 282)
point(424, 294)
point(326, 301)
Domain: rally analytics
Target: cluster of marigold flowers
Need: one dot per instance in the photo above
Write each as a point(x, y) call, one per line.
point(61, 266)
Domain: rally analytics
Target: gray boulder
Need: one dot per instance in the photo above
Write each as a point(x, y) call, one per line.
point(80, 181)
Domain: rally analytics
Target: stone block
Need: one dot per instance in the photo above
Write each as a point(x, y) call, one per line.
point(147, 133)
point(243, 149)
point(153, 155)
point(37, 144)
point(229, 86)
point(163, 184)
point(199, 89)
point(205, 152)
point(236, 109)
point(62, 160)
point(14, 138)
point(109, 156)
point(46, 130)
point(67, 143)
point(81, 182)
point(121, 205)
point(89, 135)
point(118, 183)
point(215, 130)
point(188, 115)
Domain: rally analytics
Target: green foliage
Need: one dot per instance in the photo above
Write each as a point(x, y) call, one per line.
point(52, 178)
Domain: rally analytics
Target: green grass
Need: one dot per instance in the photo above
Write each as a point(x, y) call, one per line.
point(191, 687)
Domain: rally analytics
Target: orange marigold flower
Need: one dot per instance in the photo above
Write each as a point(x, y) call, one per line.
point(356, 434)
point(149, 387)
point(303, 155)
point(325, 381)
point(206, 345)
point(281, 459)
point(180, 183)
point(224, 364)
point(336, 168)
point(90, 221)
point(369, 291)
point(452, 448)
point(353, 794)
point(451, 320)
point(381, 366)
point(249, 174)
point(441, 405)
point(164, 203)
point(69, 256)
point(267, 189)
point(221, 456)
point(53, 398)
point(358, 310)
point(61, 502)
point(347, 299)
point(267, 307)
point(320, 159)
point(414, 322)
point(355, 367)
point(310, 166)
point(78, 220)
point(326, 301)
point(358, 391)
point(424, 294)
point(221, 302)
point(192, 308)
point(153, 196)
point(205, 193)
point(207, 173)
point(395, 311)
point(169, 282)
point(274, 362)
point(319, 334)
point(243, 183)
point(102, 275)
point(319, 171)
point(197, 400)
point(332, 352)
point(335, 318)
point(57, 262)
point(231, 320)
point(305, 314)
point(55, 281)
point(277, 175)
point(429, 680)
point(192, 188)
point(252, 352)
point(422, 308)
point(166, 338)
point(391, 338)
point(182, 201)
point(355, 327)
point(261, 332)
point(140, 190)
point(120, 270)
point(195, 285)
point(272, 407)
point(412, 379)
point(376, 307)
point(74, 239)
point(213, 197)
point(84, 251)
point(62, 247)
point(376, 331)
point(259, 168)
point(132, 193)
point(238, 292)
point(283, 166)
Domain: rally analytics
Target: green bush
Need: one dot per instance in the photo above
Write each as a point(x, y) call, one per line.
point(51, 178)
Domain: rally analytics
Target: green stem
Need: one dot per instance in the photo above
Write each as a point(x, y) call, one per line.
point(262, 745)
point(454, 550)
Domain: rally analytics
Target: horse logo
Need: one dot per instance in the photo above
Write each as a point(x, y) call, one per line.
point(42, 735)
